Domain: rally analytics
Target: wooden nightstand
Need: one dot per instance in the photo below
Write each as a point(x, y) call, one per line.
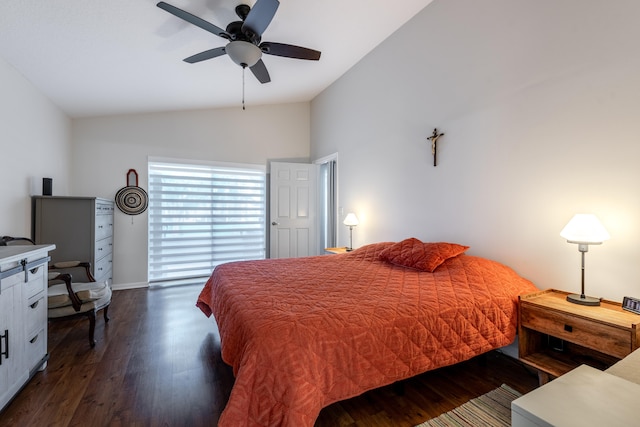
point(556, 336)
point(336, 250)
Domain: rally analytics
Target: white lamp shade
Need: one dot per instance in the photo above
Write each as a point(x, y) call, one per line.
point(351, 220)
point(585, 229)
point(243, 53)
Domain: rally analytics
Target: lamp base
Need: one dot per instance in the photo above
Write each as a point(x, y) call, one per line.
point(583, 300)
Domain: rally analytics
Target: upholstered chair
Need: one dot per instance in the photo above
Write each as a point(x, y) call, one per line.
point(73, 292)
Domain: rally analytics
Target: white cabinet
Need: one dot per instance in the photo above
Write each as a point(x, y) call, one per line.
point(80, 227)
point(11, 352)
point(23, 316)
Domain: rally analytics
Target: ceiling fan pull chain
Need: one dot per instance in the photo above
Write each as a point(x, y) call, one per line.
point(243, 70)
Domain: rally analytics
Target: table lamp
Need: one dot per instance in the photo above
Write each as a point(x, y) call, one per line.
point(351, 220)
point(584, 230)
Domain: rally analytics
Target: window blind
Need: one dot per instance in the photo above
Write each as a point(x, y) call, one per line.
point(201, 216)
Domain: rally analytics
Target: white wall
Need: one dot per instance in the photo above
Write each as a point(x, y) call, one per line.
point(105, 148)
point(34, 143)
point(539, 103)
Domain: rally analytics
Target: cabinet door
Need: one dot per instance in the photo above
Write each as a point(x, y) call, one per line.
point(13, 372)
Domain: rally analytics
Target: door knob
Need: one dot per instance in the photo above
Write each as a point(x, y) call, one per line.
point(274, 223)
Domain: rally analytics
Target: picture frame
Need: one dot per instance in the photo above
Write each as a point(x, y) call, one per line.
point(631, 304)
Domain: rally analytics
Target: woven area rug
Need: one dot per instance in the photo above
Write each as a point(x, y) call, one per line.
point(489, 410)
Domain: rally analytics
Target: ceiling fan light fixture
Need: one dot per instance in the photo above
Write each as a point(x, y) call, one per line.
point(244, 38)
point(243, 53)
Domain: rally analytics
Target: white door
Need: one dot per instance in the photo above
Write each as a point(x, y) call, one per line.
point(293, 192)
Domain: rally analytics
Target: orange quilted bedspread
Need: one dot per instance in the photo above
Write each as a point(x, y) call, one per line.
point(303, 333)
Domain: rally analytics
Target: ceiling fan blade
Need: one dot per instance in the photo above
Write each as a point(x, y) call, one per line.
point(289, 51)
point(208, 26)
point(260, 17)
point(207, 54)
point(260, 71)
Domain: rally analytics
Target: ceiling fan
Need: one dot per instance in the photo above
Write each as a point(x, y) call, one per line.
point(245, 47)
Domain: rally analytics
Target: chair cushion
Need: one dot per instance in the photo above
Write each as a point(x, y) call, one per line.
point(58, 296)
point(68, 310)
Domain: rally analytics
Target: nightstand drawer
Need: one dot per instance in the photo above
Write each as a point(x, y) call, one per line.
point(588, 333)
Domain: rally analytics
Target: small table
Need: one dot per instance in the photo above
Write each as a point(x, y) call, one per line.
point(555, 335)
point(583, 397)
point(336, 250)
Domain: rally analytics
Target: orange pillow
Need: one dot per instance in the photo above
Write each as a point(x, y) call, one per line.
point(413, 253)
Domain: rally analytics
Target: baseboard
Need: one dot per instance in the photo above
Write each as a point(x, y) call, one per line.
point(123, 286)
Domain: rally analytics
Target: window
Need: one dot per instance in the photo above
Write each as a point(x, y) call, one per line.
point(203, 215)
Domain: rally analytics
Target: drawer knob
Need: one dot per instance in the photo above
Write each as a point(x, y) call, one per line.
point(568, 328)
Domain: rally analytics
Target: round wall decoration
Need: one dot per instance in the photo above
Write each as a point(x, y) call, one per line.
point(132, 199)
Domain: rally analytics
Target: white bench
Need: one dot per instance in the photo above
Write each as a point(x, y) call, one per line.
point(584, 397)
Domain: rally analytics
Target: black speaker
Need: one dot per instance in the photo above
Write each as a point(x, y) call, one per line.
point(47, 186)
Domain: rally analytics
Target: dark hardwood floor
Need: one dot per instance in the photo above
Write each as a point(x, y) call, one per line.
point(157, 363)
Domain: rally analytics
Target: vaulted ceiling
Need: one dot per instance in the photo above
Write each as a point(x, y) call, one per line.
point(96, 58)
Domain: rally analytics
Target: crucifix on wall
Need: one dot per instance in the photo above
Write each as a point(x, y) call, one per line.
point(434, 145)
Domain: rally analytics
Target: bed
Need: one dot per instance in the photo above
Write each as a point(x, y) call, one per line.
point(302, 333)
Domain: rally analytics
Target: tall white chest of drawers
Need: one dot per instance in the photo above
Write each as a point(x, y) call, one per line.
point(80, 227)
point(23, 316)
